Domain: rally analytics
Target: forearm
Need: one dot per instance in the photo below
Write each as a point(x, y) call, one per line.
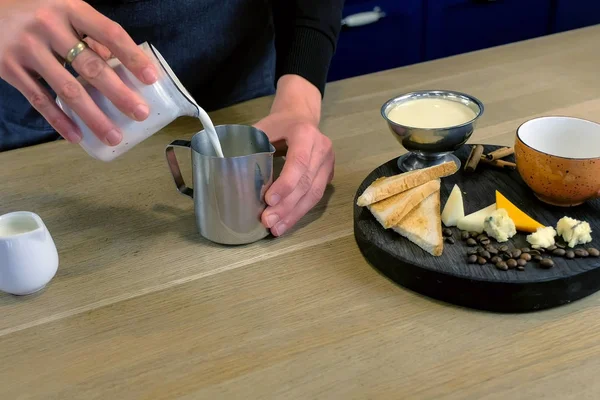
point(306, 33)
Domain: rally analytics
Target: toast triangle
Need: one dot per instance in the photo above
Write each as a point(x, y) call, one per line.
point(423, 225)
point(385, 187)
point(391, 211)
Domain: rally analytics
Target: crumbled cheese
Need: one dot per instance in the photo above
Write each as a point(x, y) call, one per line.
point(574, 232)
point(499, 225)
point(542, 237)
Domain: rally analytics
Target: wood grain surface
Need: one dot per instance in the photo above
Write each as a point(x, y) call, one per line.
point(450, 278)
point(142, 307)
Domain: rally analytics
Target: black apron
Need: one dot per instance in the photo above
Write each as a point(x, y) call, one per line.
point(221, 50)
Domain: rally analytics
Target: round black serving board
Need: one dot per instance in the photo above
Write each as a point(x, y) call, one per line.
point(450, 278)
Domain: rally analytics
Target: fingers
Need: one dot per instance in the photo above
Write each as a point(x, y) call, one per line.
point(307, 202)
point(100, 75)
point(297, 163)
point(307, 192)
point(72, 93)
point(99, 49)
point(41, 100)
point(275, 214)
point(86, 19)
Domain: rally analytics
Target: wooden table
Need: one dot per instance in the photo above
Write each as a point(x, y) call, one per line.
point(142, 307)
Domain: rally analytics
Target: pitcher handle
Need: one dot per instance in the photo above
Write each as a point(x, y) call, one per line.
point(174, 166)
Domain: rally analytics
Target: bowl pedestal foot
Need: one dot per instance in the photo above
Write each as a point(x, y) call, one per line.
point(412, 161)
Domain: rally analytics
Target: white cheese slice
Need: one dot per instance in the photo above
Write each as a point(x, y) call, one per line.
point(454, 209)
point(474, 221)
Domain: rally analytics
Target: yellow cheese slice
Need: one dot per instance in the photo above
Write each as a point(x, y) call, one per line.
point(523, 222)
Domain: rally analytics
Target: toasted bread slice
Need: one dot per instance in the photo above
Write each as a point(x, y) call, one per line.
point(392, 210)
point(423, 226)
point(385, 187)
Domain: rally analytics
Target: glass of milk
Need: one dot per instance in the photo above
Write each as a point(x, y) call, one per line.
point(167, 99)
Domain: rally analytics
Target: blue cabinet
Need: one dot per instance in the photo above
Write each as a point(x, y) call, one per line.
point(389, 42)
point(418, 30)
point(572, 14)
point(459, 26)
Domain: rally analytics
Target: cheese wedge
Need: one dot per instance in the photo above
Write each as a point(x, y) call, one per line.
point(423, 226)
point(474, 222)
point(523, 222)
point(454, 209)
point(392, 210)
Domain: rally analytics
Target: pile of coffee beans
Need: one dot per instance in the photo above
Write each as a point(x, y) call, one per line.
point(481, 251)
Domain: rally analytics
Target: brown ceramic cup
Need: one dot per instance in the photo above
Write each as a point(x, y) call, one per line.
point(559, 159)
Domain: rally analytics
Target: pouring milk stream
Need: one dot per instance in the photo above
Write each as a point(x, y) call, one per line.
point(167, 98)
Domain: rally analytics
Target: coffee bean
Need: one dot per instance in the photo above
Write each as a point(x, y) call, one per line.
point(471, 242)
point(559, 252)
point(481, 236)
point(481, 261)
point(485, 242)
point(496, 260)
point(525, 257)
point(561, 245)
point(521, 262)
point(447, 232)
point(502, 266)
point(503, 248)
point(570, 254)
point(520, 268)
point(485, 254)
point(471, 252)
point(551, 248)
point(580, 253)
point(491, 249)
point(535, 253)
point(473, 234)
point(526, 250)
point(506, 256)
point(547, 263)
point(472, 259)
point(593, 252)
point(537, 258)
point(511, 263)
point(450, 240)
point(464, 235)
point(516, 253)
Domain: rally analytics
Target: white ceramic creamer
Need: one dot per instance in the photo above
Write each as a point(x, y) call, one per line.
point(167, 99)
point(28, 255)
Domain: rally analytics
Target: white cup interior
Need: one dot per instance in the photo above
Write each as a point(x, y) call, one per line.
point(17, 224)
point(562, 136)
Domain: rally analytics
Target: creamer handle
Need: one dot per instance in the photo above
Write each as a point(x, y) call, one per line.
point(174, 166)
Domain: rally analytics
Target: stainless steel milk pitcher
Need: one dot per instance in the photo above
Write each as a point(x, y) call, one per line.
point(228, 192)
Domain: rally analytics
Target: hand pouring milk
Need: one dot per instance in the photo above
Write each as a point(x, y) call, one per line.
point(167, 98)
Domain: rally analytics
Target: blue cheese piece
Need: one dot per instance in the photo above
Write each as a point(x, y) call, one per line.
point(499, 225)
point(542, 237)
point(574, 232)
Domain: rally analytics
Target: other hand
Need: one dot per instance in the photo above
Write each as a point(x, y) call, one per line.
point(307, 171)
point(35, 34)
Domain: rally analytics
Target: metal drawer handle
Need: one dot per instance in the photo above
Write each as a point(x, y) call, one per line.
point(363, 18)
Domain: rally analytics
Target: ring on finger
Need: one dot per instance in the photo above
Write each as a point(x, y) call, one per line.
point(75, 51)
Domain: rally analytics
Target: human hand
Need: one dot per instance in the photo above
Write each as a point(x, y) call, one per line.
point(34, 32)
point(307, 171)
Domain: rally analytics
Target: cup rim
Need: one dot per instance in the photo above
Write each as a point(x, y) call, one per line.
point(469, 97)
point(272, 149)
point(37, 218)
point(169, 73)
point(518, 135)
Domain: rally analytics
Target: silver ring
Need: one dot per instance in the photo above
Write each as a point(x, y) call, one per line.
point(75, 51)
